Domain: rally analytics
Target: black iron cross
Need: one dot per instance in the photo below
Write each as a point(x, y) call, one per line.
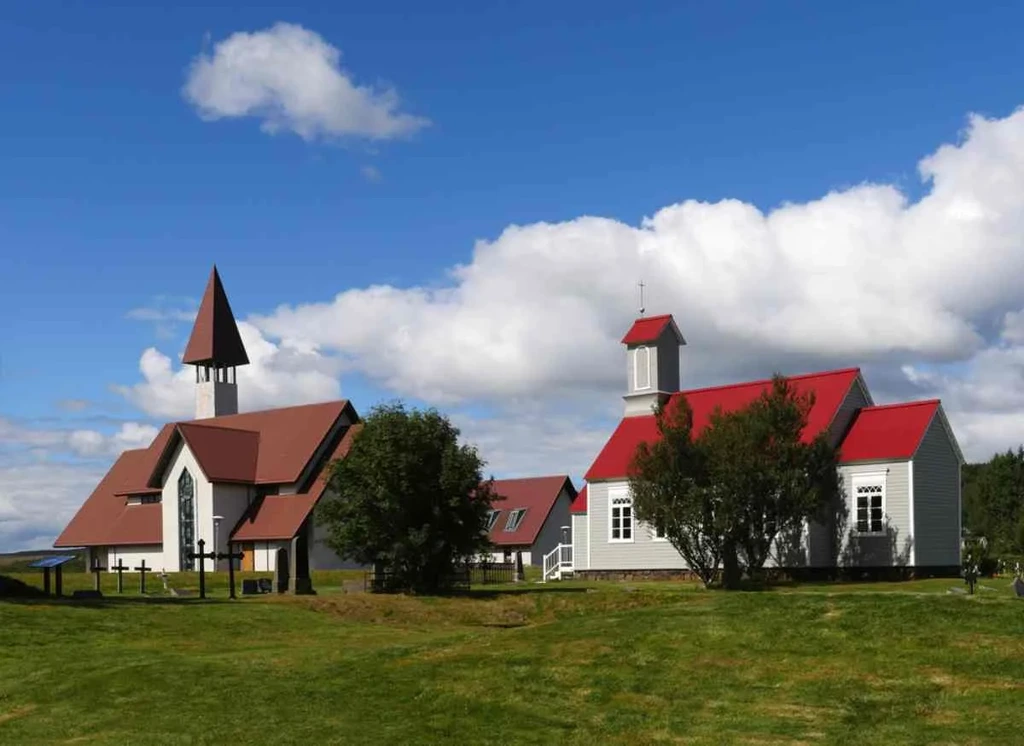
point(201, 555)
point(142, 569)
point(230, 557)
point(96, 570)
point(120, 567)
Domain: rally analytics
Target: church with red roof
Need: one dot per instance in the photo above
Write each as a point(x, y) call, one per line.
point(900, 466)
point(248, 482)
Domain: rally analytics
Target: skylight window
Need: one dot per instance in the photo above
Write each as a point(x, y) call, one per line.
point(515, 517)
point(492, 518)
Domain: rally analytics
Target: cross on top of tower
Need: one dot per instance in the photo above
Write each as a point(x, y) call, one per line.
point(641, 286)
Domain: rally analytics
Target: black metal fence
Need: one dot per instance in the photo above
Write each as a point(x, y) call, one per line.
point(460, 579)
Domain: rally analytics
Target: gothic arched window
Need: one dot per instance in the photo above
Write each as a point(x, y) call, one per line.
point(186, 519)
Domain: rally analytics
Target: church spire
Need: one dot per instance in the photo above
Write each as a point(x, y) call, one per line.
point(216, 349)
point(215, 339)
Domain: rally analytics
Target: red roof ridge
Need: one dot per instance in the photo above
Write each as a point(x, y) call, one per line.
point(203, 423)
point(897, 405)
point(212, 420)
point(764, 381)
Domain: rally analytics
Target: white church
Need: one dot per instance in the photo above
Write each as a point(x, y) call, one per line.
point(251, 480)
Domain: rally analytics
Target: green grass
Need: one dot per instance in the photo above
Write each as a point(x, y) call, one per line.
point(562, 663)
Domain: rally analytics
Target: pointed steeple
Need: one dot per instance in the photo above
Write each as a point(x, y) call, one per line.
point(215, 339)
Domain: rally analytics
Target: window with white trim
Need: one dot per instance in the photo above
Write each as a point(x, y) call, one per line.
point(870, 497)
point(492, 518)
point(621, 519)
point(515, 517)
point(642, 368)
point(658, 532)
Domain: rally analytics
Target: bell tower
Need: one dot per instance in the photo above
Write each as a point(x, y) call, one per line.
point(216, 350)
point(652, 363)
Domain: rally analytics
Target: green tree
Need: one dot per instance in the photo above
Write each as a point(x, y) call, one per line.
point(735, 488)
point(408, 498)
point(993, 497)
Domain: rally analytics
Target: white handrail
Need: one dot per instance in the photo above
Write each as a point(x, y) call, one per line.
point(556, 561)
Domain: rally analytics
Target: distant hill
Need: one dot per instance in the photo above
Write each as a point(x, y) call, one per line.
point(19, 561)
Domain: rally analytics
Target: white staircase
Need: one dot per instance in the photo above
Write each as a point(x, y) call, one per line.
point(558, 563)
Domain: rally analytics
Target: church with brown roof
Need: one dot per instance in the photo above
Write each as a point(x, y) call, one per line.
point(249, 480)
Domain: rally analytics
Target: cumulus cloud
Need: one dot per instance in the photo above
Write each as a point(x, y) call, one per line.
point(277, 375)
point(85, 443)
point(290, 78)
point(861, 276)
point(27, 520)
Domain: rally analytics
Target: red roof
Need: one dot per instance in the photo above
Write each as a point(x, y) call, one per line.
point(537, 495)
point(224, 454)
point(893, 431)
point(830, 389)
point(106, 518)
point(215, 337)
point(281, 516)
point(274, 446)
point(579, 505)
point(649, 329)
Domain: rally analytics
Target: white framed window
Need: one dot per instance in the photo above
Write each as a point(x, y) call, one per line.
point(642, 368)
point(492, 518)
point(658, 533)
point(620, 518)
point(515, 517)
point(869, 505)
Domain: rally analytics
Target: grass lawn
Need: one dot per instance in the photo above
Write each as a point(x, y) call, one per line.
point(562, 663)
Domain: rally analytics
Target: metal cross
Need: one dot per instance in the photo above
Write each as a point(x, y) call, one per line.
point(96, 570)
point(120, 567)
point(142, 570)
point(641, 286)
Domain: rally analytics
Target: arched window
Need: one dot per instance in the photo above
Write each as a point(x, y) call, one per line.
point(642, 368)
point(186, 520)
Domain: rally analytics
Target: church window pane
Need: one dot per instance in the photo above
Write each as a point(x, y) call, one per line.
point(186, 520)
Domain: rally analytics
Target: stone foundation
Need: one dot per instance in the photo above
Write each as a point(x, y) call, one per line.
point(800, 574)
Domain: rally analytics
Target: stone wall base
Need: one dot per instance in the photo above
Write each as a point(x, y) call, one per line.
point(804, 574)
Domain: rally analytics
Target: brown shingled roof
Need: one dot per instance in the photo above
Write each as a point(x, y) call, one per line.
point(537, 495)
point(215, 337)
point(281, 516)
point(106, 518)
point(274, 446)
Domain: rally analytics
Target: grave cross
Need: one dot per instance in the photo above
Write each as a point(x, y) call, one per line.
point(230, 557)
point(142, 569)
point(96, 570)
point(201, 555)
point(120, 567)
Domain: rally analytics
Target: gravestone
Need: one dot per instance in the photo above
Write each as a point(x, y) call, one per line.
point(80, 594)
point(266, 585)
point(299, 581)
point(250, 587)
point(281, 571)
point(120, 567)
point(520, 574)
point(1018, 587)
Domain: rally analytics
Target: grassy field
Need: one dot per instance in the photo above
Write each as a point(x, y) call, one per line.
point(563, 663)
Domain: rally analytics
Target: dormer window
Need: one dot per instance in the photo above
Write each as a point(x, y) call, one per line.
point(642, 368)
point(515, 517)
point(492, 518)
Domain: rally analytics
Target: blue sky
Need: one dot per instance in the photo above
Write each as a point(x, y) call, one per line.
point(115, 193)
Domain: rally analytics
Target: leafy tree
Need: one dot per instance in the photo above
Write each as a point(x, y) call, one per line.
point(408, 498)
point(993, 495)
point(727, 495)
point(671, 490)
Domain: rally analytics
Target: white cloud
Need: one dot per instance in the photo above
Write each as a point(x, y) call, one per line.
point(38, 499)
point(277, 375)
point(85, 443)
point(291, 79)
point(859, 276)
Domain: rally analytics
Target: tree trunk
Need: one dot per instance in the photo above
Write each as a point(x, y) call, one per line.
point(730, 566)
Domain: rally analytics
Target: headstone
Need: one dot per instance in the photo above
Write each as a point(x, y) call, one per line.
point(250, 587)
point(86, 594)
point(1018, 587)
point(299, 581)
point(520, 574)
point(281, 571)
point(265, 585)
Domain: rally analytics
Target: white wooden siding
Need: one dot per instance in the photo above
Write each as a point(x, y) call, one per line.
point(579, 540)
point(643, 553)
point(937, 499)
point(894, 548)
